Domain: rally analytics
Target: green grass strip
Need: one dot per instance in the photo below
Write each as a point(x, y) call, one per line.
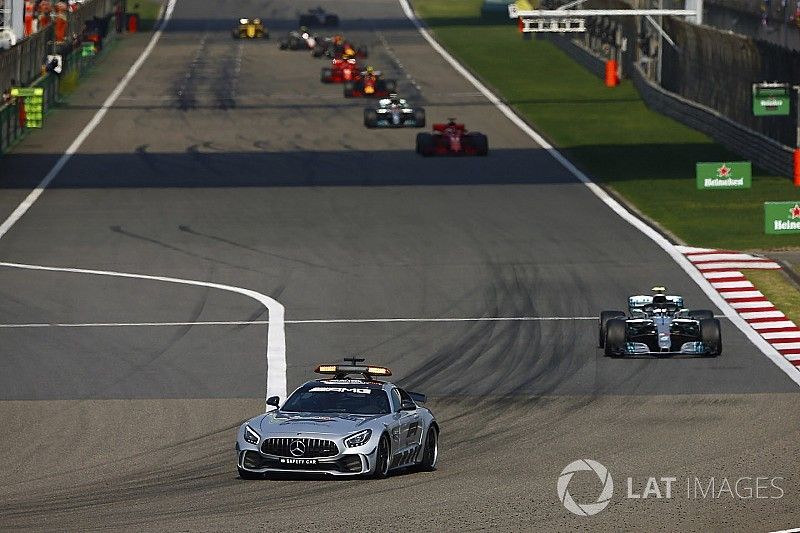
point(778, 289)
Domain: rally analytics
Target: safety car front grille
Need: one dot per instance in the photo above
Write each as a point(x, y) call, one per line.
point(299, 447)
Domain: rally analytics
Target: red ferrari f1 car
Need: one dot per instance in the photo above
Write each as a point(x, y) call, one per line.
point(341, 71)
point(370, 84)
point(452, 139)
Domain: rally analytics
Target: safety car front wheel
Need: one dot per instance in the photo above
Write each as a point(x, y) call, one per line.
point(382, 458)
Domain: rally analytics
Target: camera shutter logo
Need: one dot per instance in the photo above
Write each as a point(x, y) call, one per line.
point(585, 509)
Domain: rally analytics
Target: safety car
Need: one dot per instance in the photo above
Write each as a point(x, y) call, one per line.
point(347, 423)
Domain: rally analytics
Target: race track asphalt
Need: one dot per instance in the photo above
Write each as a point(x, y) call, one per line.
point(229, 162)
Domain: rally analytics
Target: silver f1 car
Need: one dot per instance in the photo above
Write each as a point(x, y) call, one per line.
point(394, 112)
point(659, 325)
point(341, 426)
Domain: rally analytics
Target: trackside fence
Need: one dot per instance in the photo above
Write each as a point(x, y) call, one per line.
point(763, 151)
point(23, 63)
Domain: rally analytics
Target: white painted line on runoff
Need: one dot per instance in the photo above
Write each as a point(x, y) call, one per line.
point(742, 294)
point(741, 265)
point(34, 195)
point(723, 257)
point(619, 209)
point(766, 304)
point(782, 335)
point(730, 274)
point(306, 321)
point(732, 285)
point(276, 337)
point(750, 315)
point(773, 325)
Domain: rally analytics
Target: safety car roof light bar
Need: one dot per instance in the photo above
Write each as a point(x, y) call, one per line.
point(340, 371)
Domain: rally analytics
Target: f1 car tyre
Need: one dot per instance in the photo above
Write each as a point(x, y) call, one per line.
point(235, 34)
point(430, 454)
point(382, 459)
point(361, 52)
point(244, 474)
point(317, 51)
point(480, 142)
point(325, 75)
point(348, 89)
point(605, 316)
point(419, 117)
point(615, 338)
point(701, 314)
point(283, 45)
point(711, 335)
point(425, 144)
point(370, 118)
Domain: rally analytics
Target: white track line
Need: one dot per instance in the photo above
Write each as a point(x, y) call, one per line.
point(663, 243)
point(276, 339)
point(307, 321)
point(34, 195)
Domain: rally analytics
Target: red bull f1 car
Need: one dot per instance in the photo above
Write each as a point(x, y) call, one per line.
point(659, 325)
point(337, 47)
point(370, 84)
point(452, 138)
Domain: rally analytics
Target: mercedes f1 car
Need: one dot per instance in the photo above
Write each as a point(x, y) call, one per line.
point(341, 71)
point(452, 138)
point(250, 29)
point(298, 40)
point(370, 84)
point(659, 325)
point(345, 424)
point(317, 17)
point(394, 112)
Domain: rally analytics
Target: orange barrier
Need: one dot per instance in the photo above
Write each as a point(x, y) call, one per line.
point(133, 22)
point(797, 167)
point(29, 18)
point(612, 80)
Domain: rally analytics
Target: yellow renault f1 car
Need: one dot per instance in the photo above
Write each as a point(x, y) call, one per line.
point(250, 29)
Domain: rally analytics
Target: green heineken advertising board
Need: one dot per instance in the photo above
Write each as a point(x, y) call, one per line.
point(87, 50)
point(735, 175)
point(781, 217)
point(34, 104)
point(770, 99)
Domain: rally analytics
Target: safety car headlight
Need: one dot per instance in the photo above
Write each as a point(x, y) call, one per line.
point(250, 435)
point(357, 439)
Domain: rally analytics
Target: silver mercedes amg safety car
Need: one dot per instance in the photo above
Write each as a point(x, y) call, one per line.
point(345, 425)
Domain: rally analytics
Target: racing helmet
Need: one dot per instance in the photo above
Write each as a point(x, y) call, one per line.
point(370, 69)
point(394, 98)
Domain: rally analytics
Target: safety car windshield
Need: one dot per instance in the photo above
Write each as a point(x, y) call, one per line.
point(351, 398)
